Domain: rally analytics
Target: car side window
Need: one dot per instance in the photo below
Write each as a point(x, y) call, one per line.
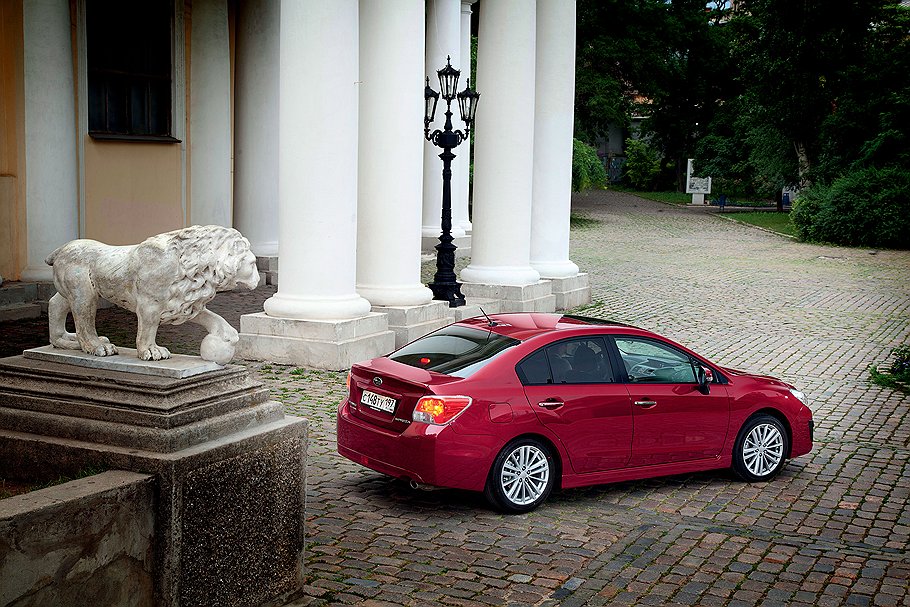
point(534, 369)
point(580, 361)
point(648, 361)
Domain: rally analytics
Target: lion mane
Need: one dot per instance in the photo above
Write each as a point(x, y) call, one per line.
point(208, 258)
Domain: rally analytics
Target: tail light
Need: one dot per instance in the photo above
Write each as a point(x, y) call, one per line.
point(439, 410)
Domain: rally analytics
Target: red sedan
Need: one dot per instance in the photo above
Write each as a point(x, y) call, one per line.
point(515, 404)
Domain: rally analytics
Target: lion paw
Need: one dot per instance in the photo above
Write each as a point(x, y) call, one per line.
point(101, 349)
point(155, 352)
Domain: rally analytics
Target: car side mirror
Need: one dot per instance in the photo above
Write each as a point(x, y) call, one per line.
point(704, 382)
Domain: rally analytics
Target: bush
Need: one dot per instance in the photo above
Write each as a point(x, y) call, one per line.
point(642, 166)
point(587, 168)
point(866, 207)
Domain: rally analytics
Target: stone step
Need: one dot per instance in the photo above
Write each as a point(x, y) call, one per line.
point(14, 293)
point(20, 311)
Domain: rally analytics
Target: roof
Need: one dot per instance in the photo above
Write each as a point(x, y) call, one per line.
point(524, 325)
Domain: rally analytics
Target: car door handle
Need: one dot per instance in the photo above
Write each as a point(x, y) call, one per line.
point(646, 404)
point(551, 403)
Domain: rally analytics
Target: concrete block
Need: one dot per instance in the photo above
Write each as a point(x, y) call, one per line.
point(320, 344)
point(571, 292)
point(178, 365)
point(410, 322)
point(475, 306)
point(228, 464)
point(20, 311)
point(535, 297)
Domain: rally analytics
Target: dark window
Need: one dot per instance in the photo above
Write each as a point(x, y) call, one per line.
point(649, 361)
point(454, 350)
point(129, 68)
point(534, 370)
point(572, 361)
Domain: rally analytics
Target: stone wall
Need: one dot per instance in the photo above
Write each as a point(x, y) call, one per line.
point(85, 542)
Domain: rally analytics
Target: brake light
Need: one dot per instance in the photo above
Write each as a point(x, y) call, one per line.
point(347, 381)
point(439, 410)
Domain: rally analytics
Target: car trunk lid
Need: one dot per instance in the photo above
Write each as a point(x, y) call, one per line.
point(384, 392)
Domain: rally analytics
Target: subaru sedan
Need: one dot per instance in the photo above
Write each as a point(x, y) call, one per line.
point(515, 405)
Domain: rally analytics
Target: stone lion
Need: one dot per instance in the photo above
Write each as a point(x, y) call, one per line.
point(166, 279)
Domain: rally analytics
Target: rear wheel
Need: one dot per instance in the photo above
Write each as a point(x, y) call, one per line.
point(761, 449)
point(522, 476)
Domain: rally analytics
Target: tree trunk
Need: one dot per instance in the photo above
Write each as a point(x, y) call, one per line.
point(802, 159)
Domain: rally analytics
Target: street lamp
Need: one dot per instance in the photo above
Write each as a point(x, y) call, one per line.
point(445, 286)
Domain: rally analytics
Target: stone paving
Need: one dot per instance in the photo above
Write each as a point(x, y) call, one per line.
point(833, 529)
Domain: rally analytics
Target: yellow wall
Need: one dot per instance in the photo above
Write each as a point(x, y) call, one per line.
point(12, 139)
point(132, 190)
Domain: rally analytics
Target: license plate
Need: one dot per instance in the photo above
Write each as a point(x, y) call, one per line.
point(377, 401)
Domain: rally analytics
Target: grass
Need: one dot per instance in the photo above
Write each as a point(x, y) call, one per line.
point(683, 198)
point(11, 488)
point(776, 222)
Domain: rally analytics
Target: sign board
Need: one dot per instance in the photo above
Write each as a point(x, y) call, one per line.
point(696, 185)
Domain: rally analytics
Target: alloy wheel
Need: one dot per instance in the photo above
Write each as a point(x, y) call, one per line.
point(525, 475)
point(763, 449)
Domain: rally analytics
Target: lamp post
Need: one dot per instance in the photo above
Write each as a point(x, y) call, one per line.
point(445, 286)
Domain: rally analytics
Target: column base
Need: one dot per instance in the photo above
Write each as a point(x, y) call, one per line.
point(536, 297)
point(410, 322)
point(463, 242)
point(571, 292)
point(476, 306)
point(229, 466)
point(555, 269)
point(268, 269)
point(500, 275)
point(320, 344)
point(38, 274)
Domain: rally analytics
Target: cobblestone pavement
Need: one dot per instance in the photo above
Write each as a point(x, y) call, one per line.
point(833, 529)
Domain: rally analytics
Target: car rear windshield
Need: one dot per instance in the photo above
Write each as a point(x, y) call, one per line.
point(454, 350)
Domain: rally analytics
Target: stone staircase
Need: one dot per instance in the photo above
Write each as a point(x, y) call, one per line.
point(19, 300)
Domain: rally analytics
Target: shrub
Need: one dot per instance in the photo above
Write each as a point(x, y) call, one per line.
point(587, 169)
point(866, 207)
point(642, 166)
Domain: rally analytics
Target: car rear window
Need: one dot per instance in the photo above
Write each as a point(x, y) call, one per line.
point(454, 350)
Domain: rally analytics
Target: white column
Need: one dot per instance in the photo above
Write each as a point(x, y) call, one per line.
point(210, 115)
point(443, 40)
point(390, 167)
point(256, 125)
point(317, 160)
point(51, 173)
point(503, 146)
point(553, 126)
point(461, 166)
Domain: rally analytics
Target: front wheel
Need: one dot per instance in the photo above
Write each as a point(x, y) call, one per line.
point(761, 449)
point(522, 476)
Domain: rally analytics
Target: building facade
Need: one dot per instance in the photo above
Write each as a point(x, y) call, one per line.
point(300, 123)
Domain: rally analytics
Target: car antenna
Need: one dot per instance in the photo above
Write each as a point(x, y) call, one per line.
point(490, 321)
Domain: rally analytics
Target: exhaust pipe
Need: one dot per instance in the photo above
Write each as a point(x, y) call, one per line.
point(415, 485)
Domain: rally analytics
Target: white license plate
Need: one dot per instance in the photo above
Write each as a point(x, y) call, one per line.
point(377, 401)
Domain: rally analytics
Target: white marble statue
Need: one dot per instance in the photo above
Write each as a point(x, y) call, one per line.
point(166, 279)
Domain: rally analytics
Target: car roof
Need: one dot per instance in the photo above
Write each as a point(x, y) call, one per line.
point(525, 325)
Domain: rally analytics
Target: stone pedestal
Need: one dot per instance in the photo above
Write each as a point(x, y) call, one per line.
point(571, 292)
point(229, 466)
point(476, 306)
point(697, 200)
point(268, 268)
point(428, 245)
point(537, 297)
point(321, 344)
point(410, 322)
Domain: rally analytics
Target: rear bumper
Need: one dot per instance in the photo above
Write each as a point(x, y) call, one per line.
point(428, 454)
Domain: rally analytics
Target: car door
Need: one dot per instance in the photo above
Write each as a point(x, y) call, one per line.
point(673, 421)
point(571, 387)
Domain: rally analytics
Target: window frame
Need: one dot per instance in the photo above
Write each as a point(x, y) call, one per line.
point(718, 377)
point(176, 110)
point(608, 359)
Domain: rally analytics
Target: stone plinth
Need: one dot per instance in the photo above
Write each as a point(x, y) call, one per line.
point(320, 344)
point(428, 246)
point(228, 465)
point(537, 297)
point(571, 292)
point(268, 267)
point(476, 306)
point(410, 322)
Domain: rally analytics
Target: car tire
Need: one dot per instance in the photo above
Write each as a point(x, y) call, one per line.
point(761, 449)
point(522, 476)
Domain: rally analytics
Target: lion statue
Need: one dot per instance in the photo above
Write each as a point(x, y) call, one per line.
point(166, 279)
